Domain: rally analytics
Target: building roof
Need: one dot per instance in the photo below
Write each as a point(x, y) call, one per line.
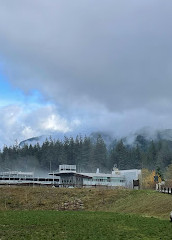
point(70, 174)
point(104, 175)
point(16, 173)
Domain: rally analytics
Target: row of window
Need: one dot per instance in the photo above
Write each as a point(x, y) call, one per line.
point(70, 181)
point(66, 181)
point(95, 179)
point(67, 169)
point(108, 180)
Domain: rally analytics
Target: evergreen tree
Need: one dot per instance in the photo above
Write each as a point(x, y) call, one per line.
point(151, 156)
point(100, 153)
point(86, 153)
point(121, 155)
point(137, 157)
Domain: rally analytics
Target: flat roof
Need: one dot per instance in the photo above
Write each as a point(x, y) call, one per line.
point(108, 175)
point(70, 174)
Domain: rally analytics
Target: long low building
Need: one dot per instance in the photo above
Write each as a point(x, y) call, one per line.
point(26, 179)
point(69, 177)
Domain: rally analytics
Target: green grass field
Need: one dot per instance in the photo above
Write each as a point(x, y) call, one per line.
point(75, 225)
point(79, 214)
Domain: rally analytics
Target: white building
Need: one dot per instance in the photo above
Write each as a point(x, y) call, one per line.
point(26, 178)
point(18, 174)
point(69, 177)
point(103, 179)
point(130, 175)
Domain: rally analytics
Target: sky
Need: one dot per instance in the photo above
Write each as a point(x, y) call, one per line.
point(82, 66)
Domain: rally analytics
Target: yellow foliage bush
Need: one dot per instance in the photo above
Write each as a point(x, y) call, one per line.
point(147, 179)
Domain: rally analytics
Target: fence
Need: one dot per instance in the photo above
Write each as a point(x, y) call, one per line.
point(165, 190)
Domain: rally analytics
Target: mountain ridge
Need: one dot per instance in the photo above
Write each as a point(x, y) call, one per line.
point(131, 139)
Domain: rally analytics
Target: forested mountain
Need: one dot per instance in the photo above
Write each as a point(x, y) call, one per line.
point(88, 153)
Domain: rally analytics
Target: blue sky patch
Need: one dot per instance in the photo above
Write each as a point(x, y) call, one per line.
point(12, 95)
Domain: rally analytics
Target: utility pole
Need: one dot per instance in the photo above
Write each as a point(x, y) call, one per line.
point(53, 179)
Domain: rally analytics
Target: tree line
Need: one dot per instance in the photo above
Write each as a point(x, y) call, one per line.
point(88, 154)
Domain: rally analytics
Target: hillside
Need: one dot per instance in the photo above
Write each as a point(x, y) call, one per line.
point(142, 202)
point(90, 153)
point(147, 134)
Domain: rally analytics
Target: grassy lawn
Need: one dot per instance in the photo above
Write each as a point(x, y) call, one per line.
point(81, 225)
point(79, 214)
point(142, 202)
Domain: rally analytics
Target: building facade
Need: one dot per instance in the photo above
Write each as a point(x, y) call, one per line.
point(69, 177)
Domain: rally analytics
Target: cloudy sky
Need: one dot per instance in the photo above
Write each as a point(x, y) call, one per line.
point(81, 66)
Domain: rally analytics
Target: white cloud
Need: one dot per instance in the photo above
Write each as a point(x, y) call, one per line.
point(16, 123)
point(106, 64)
point(55, 123)
point(115, 53)
point(27, 132)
